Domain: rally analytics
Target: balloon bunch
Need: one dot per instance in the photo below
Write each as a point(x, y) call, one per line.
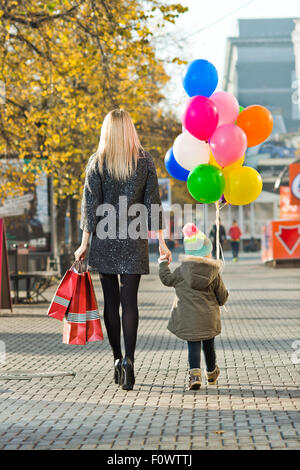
point(210, 152)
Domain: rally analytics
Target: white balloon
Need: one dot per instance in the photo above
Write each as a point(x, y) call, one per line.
point(189, 151)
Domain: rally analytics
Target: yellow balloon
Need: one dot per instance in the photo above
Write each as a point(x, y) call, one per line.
point(242, 186)
point(227, 169)
point(213, 162)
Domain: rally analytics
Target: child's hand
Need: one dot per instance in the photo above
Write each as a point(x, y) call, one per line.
point(164, 251)
point(162, 258)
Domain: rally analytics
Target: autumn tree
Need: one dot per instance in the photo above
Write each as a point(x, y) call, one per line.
point(65, 64)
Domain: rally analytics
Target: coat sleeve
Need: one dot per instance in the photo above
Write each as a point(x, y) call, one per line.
point(223, 233)
point(166, 276)
point(220, 291)
point(91, 198)
point(152, 199)
point(212, 233)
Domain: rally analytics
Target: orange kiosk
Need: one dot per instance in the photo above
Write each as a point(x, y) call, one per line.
point(281, 238)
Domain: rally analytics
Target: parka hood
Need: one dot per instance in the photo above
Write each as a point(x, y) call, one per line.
point(199, 272)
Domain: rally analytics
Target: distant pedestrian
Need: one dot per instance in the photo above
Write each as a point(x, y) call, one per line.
point(235, 235)
point(200, 292)
point(213, 237)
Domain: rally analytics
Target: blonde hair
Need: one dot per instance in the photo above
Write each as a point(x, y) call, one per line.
point(119, 145)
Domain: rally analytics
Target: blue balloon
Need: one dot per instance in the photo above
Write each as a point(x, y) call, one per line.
point(173, 168)
point(200, 78)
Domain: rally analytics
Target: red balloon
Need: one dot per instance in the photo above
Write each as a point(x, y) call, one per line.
point(200, 117)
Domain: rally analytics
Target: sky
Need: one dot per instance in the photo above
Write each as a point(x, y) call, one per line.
point(210, 42)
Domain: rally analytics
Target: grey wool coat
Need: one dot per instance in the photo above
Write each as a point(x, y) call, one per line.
point(116, 252)
point(200, 292)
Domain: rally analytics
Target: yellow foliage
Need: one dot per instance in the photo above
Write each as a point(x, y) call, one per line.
point(66, 64)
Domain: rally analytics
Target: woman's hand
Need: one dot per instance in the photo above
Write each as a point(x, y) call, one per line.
point(164, 251)
point(80, 253)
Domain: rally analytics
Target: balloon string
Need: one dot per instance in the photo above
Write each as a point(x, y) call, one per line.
point(222, 269)
point(223, 259)
point(218, 244)
point(224, 205)
point(217, 230)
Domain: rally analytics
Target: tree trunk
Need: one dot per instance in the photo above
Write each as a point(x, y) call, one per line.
point(74, 222)
point(61, 209)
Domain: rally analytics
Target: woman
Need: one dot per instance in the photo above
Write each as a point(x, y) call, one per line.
point(120, 178)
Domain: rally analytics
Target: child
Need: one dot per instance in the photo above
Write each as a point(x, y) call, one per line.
point(196, 311)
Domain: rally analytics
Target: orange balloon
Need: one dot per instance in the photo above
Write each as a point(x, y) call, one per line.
point(257, 123)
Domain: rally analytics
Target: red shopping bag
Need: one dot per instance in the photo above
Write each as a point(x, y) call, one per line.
point(75, 320)
point(62, 296)
point(93, 324)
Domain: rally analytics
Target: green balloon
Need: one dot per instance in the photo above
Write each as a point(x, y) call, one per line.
point(241, 109)
point(206, 183)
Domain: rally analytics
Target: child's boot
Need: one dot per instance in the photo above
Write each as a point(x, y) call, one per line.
point(212, 376)
point(195, 379)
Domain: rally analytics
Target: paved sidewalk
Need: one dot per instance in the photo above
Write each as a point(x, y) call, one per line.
point(254, 406)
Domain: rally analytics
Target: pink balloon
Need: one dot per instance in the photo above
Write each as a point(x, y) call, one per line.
point(200, 117)
point(228, 144)
point(227, 106)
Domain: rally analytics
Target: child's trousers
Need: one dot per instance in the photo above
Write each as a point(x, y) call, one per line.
point(194, 348)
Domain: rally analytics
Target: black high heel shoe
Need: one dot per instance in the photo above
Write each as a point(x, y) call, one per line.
point(118, 373)
point(128, 374)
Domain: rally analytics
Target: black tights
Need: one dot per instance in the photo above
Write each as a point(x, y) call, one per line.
point(126, 294)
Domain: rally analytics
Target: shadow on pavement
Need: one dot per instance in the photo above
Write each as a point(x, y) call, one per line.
point(152, 341)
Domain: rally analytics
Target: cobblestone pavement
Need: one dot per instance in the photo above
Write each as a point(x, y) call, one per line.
point(254, 406)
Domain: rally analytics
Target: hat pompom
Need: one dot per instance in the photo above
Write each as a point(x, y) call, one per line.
point(196, 242)
point(190, 230)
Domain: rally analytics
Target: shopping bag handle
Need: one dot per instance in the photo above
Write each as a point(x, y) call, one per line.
point(79, 263)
